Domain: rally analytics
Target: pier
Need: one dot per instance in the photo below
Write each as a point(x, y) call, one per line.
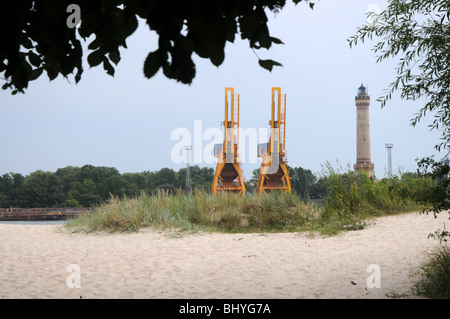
point(29, 214)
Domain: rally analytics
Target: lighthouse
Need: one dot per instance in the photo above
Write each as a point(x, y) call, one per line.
point(363, 159)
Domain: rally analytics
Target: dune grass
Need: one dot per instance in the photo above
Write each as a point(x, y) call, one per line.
point(199, 211)
point(434, 275)
point(351, 200)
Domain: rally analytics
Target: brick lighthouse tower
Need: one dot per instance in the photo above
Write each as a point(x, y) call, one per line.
point(363, 160)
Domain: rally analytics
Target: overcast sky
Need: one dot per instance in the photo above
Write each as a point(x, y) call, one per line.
point(127, 121)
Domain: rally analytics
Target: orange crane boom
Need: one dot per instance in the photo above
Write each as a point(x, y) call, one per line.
point(273, 174)
point(228, 175)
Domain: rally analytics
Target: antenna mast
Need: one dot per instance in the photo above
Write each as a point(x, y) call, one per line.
point(188, 149)
point(389, 147)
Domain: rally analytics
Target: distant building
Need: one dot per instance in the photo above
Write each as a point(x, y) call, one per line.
point(363, 159)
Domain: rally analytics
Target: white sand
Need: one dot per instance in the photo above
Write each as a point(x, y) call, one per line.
point(151, 264)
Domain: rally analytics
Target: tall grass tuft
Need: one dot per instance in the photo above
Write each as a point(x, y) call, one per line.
point(222, 212)
point(352, 198)
point(434, 281)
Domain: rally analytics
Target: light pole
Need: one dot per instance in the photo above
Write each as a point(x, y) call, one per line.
point(389, 147)
point(188, 149)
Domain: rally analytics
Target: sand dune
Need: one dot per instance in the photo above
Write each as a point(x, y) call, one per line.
point(35, 262)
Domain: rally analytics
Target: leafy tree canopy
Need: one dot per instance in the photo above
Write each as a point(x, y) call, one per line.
point(418, 33)
point(44, 35)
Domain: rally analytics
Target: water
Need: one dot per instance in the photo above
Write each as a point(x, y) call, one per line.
point(35, 222)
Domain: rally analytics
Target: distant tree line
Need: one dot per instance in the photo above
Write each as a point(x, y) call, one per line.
point(90, 185)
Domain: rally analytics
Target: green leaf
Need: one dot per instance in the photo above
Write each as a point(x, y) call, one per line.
point(108, 67)
point(130, 24)
point(182, 71)
point(95, 44)
point(36, 73)
point(114, 56)
point(52, 72)
point(95, 58)
point(269, 64)
point(78, 75)
point(217, 54)
point(26, 43)
point(217, 57)
point(262, 37)
point(34, 59)
point(276, 40)
point(152, 63)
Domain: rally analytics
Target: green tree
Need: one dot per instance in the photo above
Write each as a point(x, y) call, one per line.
point(439, 171)
point(302, 181)
point(166, 179)
point(136, 181)
point(318, 189)
point(18, 180)
point(4, 201)
point(89, 186)
point(6, 184)
point(116, 185)
point(89, 196)
point(72, 198)
point(42, 189)
point(68, 175)
point(201, 178)
point(10, 189)
point(35, 37)
point(255, 176)
point(101, 176)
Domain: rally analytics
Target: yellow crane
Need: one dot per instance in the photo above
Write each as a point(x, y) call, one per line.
point(228, 175)
point(273, 174)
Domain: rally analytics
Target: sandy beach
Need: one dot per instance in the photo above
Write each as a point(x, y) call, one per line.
point(40, 261)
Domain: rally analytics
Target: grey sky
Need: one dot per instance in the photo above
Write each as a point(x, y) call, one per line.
point(127, 121)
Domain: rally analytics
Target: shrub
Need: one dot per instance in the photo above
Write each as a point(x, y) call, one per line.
point(434, 281)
